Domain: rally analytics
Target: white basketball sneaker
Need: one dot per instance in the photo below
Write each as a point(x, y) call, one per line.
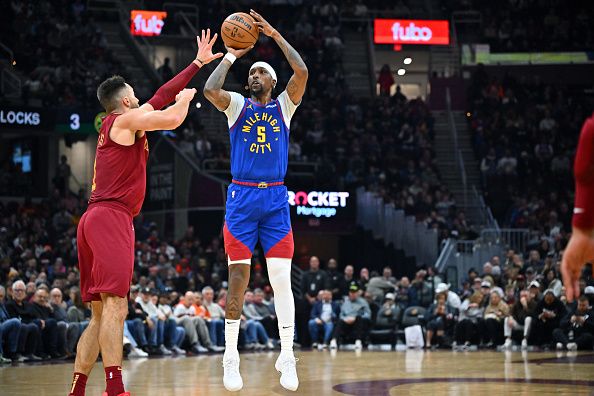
point(231, 376)
point(286, 366)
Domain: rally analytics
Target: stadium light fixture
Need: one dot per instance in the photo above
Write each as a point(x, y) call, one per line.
point(407, 61)
point(401, 72)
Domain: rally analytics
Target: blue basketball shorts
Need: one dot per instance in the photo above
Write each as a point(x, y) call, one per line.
point(257, 213)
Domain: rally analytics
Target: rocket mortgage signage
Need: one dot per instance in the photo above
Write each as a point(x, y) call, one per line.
point(411, 31)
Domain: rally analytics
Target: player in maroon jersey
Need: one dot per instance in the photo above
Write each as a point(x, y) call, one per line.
point(105, 235)
point(580, 248)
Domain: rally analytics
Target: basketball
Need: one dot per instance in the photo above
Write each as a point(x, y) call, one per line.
point(239, 31)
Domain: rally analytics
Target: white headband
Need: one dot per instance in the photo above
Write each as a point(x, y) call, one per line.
point(265, 66)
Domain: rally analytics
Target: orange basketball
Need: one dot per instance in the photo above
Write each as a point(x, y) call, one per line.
point(239, 31)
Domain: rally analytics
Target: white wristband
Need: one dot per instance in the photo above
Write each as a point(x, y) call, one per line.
point(230, 57)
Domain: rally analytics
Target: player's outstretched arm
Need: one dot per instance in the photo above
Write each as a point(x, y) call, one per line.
point(143, 120)
point(297, 82)
point(213, 89)
point(166, 94)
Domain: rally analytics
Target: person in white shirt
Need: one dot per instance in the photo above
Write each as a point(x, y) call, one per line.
point(195, 326)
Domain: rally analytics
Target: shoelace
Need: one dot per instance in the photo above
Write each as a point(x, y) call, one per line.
point(231, 364)
point(289, 364)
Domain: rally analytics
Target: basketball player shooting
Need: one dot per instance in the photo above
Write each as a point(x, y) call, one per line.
point(580, 248)
point(257, 201)
point(105, 235)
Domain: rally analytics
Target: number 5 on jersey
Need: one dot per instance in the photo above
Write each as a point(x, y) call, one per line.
point(261, 134)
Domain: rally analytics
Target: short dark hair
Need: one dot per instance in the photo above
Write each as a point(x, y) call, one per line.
point(108, 90)
point(584, 298)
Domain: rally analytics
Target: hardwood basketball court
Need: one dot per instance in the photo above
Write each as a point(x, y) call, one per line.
point(324, 373)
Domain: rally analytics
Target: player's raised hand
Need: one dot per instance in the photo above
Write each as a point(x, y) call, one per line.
point(186, 94)
point(262, 24)
point(205, 43)
point(238, 52)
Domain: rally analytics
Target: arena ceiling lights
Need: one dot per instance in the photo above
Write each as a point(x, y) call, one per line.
point(411, 31)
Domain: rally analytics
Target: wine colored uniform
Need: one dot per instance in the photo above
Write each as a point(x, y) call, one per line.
point(105, 235)
point(583, 211)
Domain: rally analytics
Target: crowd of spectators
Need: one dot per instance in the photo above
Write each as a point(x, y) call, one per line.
point(59, 49)
point(529, 25)
point(177, 297)
point(524, 135)
point(514, 300)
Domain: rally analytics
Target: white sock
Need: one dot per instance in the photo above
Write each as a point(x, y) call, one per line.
point(231, 335)
point(279, 273)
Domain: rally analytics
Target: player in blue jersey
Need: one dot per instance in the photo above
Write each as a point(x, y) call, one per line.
point(257, 200)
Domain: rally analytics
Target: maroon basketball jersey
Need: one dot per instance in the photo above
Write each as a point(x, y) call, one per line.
point(119, 171)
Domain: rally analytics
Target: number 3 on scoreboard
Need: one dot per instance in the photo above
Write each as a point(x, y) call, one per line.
point(261, 134)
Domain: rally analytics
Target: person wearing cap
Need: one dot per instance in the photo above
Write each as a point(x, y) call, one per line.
point(589, 292)
point(388, 314)
point(452, 299)
point(354, 319)
point(547, 317)
point(576, 330)
point(534, 288)
point(324, 315)
point(257, 201)
point(157, 331)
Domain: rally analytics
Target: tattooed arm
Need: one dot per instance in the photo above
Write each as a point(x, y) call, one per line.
point(213, 89)
point(296, 85)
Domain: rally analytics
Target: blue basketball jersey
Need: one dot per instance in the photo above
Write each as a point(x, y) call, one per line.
point(260, 141)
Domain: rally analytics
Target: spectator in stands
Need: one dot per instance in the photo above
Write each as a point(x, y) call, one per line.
point(452, 299)
point(165, 71)
point(345, 282)
point(44, 317)
point(363, 278)
point(312, 281)
point(403, 293)
point(378, 286)
point(374, 306)
point(9, 333)
point(421, 294)
point(589, 293)
point(354, 319)
point(547, 317)
point(389, 314)
point(552, 281)
point(256, 336)
point(495, 314)
point(157, 330)
point(174, 335)
point(62, 177)
point(196, 329)
point(138, 322)
point(385, 80)
point(576, 331)
point(78, 314)
point(470, 324)
point(534, 289)
point(440, 321)
point(69, 333)
point(334, 277)
point(263, 313)
point(216, 323)
point(324, 315)
point(520, 319)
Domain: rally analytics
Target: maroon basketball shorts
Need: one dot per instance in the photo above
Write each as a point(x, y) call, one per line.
point(583, 211)
point(105, 240)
